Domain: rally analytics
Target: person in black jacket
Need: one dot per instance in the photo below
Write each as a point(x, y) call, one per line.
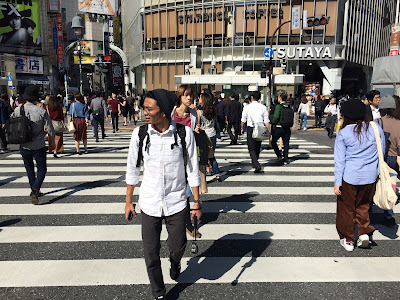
point(233, 116)
point(3, 118)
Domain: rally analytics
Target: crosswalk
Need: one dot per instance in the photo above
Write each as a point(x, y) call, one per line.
point(260, 232)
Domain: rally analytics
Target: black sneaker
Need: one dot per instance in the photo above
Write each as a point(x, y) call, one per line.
point(174, 271)
point(159, 298)
point(258, 171)
point(35, 197)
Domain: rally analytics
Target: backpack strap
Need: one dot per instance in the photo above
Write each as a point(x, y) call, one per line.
point(22, 111)
point(142, 134)
point(181, 130)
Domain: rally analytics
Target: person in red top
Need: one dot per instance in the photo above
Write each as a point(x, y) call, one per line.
point(115, 108)
point(55, 110)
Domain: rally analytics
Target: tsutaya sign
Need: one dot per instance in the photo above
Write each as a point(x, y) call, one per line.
point(304, 52)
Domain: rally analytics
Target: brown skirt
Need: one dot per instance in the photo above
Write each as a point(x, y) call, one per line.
point(80, 129)
point(59, 137)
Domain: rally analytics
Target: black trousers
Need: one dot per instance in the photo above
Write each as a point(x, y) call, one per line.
point(330, 124)
point(151, 231)
point(3, 139)
point(236, 126)
point(318, 118)
point(95, 123)
point(284, 133)
point(254, 148)
point(114, 119)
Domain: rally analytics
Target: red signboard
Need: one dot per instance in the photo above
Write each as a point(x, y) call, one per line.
point(59, 26)
point(394, 52)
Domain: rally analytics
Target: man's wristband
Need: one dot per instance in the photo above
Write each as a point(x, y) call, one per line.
point(197, 201)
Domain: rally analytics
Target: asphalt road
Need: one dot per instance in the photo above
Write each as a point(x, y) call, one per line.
point(269, 236)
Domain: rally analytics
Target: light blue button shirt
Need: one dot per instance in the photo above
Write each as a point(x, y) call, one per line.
point(356, 156)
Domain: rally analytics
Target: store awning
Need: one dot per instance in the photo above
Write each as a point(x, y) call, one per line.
point(32, 79)
point(386, 70)
point(284, 79)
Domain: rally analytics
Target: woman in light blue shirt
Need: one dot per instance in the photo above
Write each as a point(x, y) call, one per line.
point(356, 172)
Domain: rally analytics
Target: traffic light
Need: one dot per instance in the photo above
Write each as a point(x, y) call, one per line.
point(264, 71)
point(318, 20)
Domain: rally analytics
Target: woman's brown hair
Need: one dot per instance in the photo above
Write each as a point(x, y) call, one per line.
point(208, 106)
point(53, 103)
point(79, 97)
point(304, 99)
point(181, 91)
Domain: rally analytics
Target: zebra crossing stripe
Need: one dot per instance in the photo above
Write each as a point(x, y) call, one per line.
point(200, 270)
point(97, 233)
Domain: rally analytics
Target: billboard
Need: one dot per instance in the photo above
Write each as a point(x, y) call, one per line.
point(29, 64)
point(20, 24)
point(104, 7)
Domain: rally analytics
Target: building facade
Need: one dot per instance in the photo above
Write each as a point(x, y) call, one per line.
point(171, 41)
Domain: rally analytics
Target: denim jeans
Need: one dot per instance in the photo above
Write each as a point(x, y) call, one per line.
point(303, 117)
point(35, 180)
point(212, 160)
point(392, 162)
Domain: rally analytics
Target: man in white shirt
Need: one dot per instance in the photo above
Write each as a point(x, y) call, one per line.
point(162, 194)
point(374, 97)
point(254, 113)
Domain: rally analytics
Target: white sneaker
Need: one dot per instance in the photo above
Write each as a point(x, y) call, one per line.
point(363, 241)
point(304, 129)
point(348, 246)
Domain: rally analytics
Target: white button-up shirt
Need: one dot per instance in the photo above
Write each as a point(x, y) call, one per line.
point(255, 113)
point(375, 113)
point(163, 188)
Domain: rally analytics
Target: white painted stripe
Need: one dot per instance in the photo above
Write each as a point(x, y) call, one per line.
point(114, 145)
point(121, 191)
point(211, 270)
point(50, 234)
point(124, 160)
point(207, 207)
point(117, 178)
point(108, 155)
point(105, 169)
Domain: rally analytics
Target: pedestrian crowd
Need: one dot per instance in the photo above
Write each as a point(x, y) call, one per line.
point(177, 147)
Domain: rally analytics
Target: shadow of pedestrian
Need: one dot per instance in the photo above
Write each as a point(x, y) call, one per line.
point(224, 254)
point(213, 208)
point(83, 186)
point(9, 180)
point(9, 223)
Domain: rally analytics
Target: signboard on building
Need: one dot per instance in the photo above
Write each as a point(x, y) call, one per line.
point(296, 15)
point(54, 6)
point(20, 24)
point(304, 52)
point(395, 40)
point(29, 64)
point(116, 33)
point(86, 59)
point(104, 7)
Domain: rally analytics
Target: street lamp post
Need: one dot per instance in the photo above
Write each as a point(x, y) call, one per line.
point(77, 25)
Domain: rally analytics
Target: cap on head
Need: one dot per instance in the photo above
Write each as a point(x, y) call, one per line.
point(354, 110)
point(31, 93)
point(165, 100)
point(387, 102)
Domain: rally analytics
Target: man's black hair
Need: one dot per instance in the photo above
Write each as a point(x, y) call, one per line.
point(283, 97)
point(371, 94)
point(234, 96)
point(256, 95)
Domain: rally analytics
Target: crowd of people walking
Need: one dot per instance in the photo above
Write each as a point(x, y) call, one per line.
point(181, 137)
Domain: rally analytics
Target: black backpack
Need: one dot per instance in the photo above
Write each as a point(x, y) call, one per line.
point(286, 117)
point(318, 105)
point(19, 129)
point(180, 130)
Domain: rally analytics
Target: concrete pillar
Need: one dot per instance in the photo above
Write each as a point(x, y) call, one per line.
point(333, 76)
point(9, 61)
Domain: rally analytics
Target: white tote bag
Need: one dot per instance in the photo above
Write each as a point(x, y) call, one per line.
point(71, 127)
point(260, 132)
point(385, 196)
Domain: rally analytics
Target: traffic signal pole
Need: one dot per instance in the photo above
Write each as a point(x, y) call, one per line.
point(270, 86)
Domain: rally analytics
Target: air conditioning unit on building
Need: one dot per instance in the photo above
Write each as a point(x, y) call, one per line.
point(195, 71)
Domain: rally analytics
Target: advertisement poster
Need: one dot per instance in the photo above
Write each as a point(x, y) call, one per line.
point(311, 89)
point(104, 7)
point(20, 24)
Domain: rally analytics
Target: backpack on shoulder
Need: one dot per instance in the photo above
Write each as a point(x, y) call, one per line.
point(19, 129)
point(287, 117)
point(180, 130)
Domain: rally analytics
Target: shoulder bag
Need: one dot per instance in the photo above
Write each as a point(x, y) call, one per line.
point(58, 126)
point(71, 127)
point(260, 131)
point(385, 194)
